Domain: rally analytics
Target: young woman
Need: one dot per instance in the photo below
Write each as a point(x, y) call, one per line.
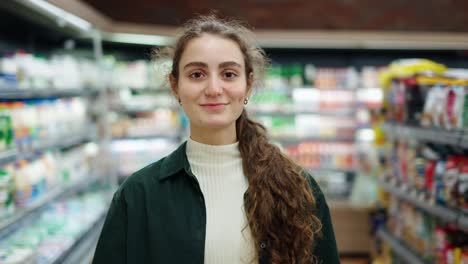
point(226, 195)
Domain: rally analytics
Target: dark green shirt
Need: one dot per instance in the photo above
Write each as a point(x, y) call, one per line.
point(158, 215)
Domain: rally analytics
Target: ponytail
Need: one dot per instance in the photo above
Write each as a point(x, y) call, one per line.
point(279, 202)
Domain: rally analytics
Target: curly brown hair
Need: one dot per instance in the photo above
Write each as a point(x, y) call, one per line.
point(279, 202)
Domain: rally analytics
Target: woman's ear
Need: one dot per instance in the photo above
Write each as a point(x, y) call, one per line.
point(173, 83)
point(250, 80)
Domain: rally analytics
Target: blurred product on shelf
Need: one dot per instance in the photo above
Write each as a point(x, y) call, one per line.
point(426, 94)
point(132, 155)
point(323, 155)
point(28, 71)
point(297, 75)
point(437, 173)
point(161, 122)
point(311, 126)
point(336, 78)
point(304, 99)
point(434, 241)
point(25, 182)
point(138, 74)
point(125, 101)
point(34, 122)
point(55, 231)
point(331, 164)
point(6, 130)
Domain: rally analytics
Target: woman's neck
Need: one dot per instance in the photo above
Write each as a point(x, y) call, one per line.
point(221, 136)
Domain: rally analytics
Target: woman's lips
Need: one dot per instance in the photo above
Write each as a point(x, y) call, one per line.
point(214, 106)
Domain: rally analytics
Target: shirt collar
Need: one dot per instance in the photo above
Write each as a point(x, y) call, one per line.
point(175, 162)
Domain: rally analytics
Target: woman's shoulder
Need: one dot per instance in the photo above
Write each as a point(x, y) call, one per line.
point(312, 182)
point(139, 180)
point(157, 171)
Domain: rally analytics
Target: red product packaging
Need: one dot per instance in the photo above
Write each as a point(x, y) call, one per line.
point(429, 176)
point(464, 256)
point(451, 177)
point(441, 244)
point(463, 185)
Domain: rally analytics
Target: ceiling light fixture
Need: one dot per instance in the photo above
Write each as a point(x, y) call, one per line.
point(141, 39)
point(60, 14)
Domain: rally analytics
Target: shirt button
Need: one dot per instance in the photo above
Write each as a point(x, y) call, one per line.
point(262, 245)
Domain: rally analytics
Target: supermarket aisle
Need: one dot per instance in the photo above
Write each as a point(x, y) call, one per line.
point(386, 141)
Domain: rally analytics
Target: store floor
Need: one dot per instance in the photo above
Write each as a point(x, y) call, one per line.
point(354, 261)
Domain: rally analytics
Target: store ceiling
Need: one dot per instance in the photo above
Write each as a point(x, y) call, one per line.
point(390, 15)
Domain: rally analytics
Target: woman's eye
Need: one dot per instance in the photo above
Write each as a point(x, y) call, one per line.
point(196, 75)
point(230, 75)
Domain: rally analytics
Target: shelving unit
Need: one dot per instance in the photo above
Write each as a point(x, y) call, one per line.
point(175, 136)
point(26, 215)
point(84, 245)
point(290, 112)
point(66, 136)
point(443, 213)
point(14, 93)
point(402, 251)
point(8, 156)
point(136, 110)
point(287, 140)
point(454, 138)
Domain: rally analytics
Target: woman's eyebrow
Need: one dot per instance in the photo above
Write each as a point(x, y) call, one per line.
point(230, 64)
point(196, 64)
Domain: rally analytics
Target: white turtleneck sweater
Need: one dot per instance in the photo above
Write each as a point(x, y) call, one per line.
point(219, 171)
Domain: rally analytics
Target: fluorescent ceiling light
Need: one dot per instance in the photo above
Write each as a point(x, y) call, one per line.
point(142, 39)
point(61, 14)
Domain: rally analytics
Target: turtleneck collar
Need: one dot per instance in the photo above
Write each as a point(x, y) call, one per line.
point(214, 155)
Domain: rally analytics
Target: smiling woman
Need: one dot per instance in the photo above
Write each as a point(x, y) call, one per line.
point(212, 87)
point(226, 195)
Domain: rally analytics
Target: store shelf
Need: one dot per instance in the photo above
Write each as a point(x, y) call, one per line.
point(136, 110)
point(328, 169)
point(400, 249)
point(175, 136)
point(443, 213)
point(12, 93)
point(454, 138)
point(291, 113)
point(26, 215)
point(84, 244)
point(58, 143)
point(8, 156)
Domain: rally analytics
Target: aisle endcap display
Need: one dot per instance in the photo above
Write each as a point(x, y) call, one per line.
point(399, 247)
point(407, 67)
point(21, 217)
point(443, 213)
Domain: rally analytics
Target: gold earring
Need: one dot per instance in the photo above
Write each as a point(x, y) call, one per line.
point(246, 101)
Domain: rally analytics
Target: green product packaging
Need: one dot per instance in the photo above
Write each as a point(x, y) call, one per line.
point(465, 111)
point(3, 131)
point(296, 79)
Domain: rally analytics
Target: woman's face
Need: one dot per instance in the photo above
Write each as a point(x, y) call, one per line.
point(212, 84)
